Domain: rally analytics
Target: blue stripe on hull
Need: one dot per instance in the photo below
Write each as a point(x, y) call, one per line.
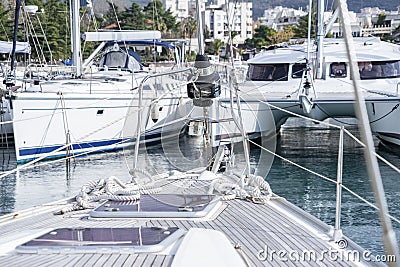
point(29, 154)
point(43, 150)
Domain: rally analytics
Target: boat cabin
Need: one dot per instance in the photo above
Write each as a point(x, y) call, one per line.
point(277, 65)
point(376, 60)
point(282, 71)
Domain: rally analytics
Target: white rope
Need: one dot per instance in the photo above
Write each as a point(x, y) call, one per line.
point(110, 189)
point(256, 189)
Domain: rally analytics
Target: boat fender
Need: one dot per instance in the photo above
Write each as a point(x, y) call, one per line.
point(154, 111)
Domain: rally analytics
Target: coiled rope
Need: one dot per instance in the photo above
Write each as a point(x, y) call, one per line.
point(256, 189)
point(107, 189)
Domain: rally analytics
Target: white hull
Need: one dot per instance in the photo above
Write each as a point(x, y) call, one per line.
point(52, 124)
point(384, 116)
point(278, 76)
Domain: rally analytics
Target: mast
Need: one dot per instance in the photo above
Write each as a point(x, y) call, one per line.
point(14, 43)
point(309, 30)
point(76, 41)
point(320, 37)
point(200, 38)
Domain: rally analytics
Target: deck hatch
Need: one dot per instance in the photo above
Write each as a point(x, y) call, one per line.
point(159, 206)
point(138, 239)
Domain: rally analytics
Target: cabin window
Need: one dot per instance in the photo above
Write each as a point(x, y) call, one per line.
point(379, 69)
point(268, 72)
point(298, 69)
point(338, 70)
point(120, 60)
point(114, 60)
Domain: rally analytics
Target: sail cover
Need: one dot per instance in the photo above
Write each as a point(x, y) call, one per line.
point(22, 47)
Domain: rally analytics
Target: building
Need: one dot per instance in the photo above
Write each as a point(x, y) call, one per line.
point(280, 17)
point(220, 17)
point(366, 23)
point(183, 9)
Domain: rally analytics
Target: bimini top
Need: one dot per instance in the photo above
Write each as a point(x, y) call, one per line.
point(22, 47)
point(121, 36)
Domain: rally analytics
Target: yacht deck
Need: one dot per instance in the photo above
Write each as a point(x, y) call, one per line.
point(278, 226)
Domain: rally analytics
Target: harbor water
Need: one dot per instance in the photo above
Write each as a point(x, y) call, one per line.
point(313, 146)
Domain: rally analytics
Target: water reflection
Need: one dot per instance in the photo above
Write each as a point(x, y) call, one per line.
point(317, 148)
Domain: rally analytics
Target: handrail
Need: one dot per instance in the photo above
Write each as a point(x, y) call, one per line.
point(139, 115)
point(337, 234)
point(338, 182)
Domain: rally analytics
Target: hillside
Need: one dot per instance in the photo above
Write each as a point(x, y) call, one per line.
point(260, 5)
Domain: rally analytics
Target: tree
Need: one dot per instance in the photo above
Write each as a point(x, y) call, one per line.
point(188, 27)
point(284, 35)
point(56, 13)
point(109, 20)
point(263, 36)
point(301, 31)
point(154, 13)
point(132, 18)
point(214, 47)
point(171, 23)
point(6, 23)
point(48, 31)
point(217, 45)
point(381, 19)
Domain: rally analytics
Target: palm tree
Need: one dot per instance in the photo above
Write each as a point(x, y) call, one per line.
point(217, 45)
point(188, 28)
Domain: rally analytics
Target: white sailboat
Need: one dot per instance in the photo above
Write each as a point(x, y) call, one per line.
point(314, 80)
point(84, 113)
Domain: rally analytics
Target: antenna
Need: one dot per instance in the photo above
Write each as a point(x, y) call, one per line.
point(76, 41)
